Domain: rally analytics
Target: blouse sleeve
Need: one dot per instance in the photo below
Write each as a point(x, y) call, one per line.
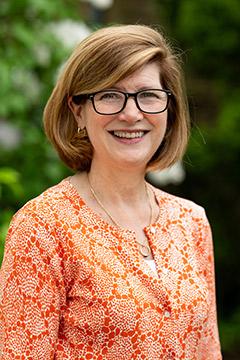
point(209, 343)
point(31, 290)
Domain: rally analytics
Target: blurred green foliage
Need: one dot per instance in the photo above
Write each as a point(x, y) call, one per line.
point(208, 31)
point(29, 57)
point(10, 179)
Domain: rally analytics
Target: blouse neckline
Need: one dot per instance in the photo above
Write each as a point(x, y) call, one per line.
point(123, 232)
point(104, 222)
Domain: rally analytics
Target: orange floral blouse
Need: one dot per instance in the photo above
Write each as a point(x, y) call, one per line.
point(74, 287)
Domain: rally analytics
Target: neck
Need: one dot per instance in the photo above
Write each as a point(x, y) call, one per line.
point(122, 185)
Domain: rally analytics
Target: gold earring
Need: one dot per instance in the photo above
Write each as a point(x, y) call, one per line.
point(82, 131)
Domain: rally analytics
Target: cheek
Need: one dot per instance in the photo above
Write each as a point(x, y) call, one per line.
point(159, 134)
point(161, 124)
point(97, 124)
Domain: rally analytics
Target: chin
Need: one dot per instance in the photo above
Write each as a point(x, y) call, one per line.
point(132, 162)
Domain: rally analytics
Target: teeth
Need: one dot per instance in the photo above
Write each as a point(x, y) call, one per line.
point(128, 135)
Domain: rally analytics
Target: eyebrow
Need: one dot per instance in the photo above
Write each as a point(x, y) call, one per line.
point(142, 88)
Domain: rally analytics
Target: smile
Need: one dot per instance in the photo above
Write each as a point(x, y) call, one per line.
point(128, 134)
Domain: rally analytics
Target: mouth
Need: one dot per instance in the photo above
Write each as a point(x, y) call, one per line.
point(128, 134)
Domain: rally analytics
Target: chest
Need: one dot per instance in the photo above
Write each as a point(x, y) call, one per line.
point(106, 266)
point(113, 296)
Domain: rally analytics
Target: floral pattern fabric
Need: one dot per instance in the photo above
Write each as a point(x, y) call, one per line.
point(74, 287)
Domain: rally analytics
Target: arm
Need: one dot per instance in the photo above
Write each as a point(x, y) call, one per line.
point(209, 346)
point(31, 290)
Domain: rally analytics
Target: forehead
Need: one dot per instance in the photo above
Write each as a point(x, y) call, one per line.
point(147, 75)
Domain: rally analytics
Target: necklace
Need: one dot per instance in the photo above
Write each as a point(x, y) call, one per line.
point(143, 249)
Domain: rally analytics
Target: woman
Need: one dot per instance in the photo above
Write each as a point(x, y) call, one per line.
point(104, 265)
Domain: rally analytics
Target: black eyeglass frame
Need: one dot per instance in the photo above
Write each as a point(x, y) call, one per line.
point(77, 100)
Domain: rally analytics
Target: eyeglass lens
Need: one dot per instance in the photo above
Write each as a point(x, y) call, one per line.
point(149, 101)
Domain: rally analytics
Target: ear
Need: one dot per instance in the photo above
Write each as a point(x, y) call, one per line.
point(77, 110)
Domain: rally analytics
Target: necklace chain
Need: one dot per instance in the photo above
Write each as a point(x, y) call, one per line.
point(143, 248)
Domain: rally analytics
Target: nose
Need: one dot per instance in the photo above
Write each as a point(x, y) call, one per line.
point(131, 113)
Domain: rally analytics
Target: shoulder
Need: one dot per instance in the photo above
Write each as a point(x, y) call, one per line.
point(49, 205)
point(183, 216)
point(43, 220)
point(176, 206)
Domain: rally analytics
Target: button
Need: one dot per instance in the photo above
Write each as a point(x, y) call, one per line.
point(167, 314)
point(152, 230)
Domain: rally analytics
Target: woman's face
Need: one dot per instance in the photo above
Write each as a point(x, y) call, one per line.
point(130, 138)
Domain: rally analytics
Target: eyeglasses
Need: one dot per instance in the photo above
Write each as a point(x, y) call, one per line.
point(110, 102)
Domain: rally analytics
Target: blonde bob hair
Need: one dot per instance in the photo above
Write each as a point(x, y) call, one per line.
point(101, 60)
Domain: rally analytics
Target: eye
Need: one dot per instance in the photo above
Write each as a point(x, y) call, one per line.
point(152, 95)
point(109, 96)
point(149, 94)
